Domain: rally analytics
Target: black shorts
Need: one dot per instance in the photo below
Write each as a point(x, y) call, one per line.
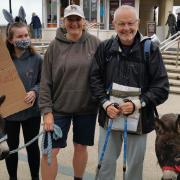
point(83, 129)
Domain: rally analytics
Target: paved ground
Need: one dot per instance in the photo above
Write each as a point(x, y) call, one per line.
point(151, 168)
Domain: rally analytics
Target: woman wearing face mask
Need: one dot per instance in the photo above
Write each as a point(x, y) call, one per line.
point(28, 65)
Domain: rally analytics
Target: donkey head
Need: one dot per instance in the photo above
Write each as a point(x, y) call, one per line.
point(167, 145)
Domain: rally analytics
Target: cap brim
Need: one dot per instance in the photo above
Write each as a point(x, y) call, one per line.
point(71, 14)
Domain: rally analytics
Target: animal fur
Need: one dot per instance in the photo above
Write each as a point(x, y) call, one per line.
point(4, 149)
point(167, 145)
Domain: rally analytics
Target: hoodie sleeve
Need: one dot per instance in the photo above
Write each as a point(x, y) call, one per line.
point(39, 67)
point(45, 98)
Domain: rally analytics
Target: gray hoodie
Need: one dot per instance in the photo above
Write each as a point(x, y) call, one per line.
point(28, 67)
point(64, 86)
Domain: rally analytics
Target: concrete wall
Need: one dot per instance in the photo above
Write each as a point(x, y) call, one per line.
point(176, 2)
point(165, 7)
point(146, 14)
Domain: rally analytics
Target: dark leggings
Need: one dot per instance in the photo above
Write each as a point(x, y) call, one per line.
point(30, 129)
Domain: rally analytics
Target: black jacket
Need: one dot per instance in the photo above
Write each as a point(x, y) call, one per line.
point(36, 23)
point(113, 63)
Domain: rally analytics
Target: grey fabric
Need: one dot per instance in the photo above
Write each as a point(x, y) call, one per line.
point(28, 67)
point(64, 83)
point(136, 145)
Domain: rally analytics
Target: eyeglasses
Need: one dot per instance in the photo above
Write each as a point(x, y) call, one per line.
point(123, 24)
point(72, 19)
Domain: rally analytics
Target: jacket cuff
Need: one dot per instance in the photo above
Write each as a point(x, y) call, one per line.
point(137, 104)
point(106, 104)
point(45, 110)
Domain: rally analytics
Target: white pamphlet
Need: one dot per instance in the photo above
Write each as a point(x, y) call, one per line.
point(119, 93)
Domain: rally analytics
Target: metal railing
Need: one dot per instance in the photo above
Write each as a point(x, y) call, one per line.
point(172, 42)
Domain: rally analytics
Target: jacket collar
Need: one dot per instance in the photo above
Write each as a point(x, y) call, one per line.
point(115, 47)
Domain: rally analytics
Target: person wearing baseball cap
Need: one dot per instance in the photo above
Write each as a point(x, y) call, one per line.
point(73, 10)
point(64, 91)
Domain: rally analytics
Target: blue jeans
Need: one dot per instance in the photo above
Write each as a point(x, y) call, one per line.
point(37, 33)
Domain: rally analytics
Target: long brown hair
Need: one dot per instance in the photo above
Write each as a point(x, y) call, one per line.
point(10, 34)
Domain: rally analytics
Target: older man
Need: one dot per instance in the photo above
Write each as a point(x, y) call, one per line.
point(120, 60)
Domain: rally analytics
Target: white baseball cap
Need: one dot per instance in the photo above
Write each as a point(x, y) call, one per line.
point(73, 10)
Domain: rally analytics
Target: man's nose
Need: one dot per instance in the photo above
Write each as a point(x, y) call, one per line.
point(126, 26)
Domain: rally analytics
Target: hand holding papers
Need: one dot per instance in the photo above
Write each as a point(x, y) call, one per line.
point(119, 93)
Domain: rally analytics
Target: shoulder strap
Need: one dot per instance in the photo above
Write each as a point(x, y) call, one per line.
point(147, 46)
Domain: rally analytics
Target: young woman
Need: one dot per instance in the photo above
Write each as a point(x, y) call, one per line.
point(28, 64)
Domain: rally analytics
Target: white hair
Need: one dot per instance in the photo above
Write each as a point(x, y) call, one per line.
point(125, 7)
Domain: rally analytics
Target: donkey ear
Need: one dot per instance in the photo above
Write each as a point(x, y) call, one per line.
point(8, 16)
point(22, 14)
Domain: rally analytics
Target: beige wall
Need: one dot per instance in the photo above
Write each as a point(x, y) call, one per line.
point(165, 7)
point(146, 13)
point(176, 2)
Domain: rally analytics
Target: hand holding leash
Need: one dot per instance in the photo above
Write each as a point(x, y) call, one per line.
point(128, 107)
point(113, 110)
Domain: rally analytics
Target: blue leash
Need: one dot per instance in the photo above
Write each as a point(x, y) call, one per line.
point(104, 148)
point(125, 146)
point(55, 134)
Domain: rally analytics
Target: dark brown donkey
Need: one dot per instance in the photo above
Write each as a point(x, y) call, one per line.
point(168, 145)
point(4, 149)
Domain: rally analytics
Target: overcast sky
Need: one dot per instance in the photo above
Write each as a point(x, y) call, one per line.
point(29, 7)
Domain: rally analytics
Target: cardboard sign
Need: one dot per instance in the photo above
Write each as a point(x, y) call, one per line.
point(10, 84)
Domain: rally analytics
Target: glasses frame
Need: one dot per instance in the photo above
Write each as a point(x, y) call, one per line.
point(129, 24)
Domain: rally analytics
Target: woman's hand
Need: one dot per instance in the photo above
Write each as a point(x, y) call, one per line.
point(48, 121)
point(30, 97)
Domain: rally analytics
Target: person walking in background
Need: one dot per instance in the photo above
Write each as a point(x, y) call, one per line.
point(36, 26)
point(171, 22)
point(28, 65)
point(64, 91)
point(121, 60)
point(178, 22)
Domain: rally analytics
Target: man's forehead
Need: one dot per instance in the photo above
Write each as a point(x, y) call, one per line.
point(126, 14)
point(130, 19)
